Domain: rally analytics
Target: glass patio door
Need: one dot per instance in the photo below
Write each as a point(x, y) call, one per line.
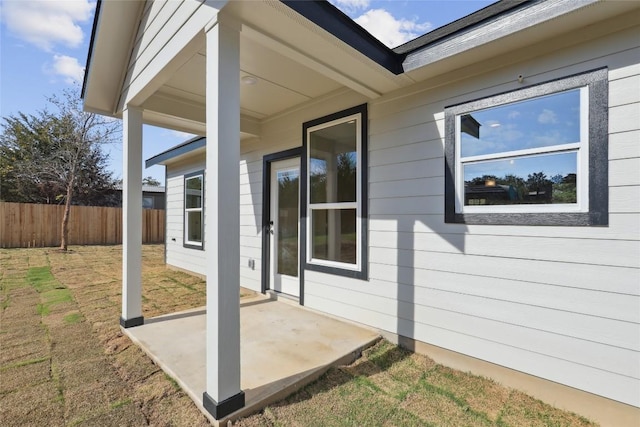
point(284, 224)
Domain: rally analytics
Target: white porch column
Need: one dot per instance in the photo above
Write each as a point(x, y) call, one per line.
point(222, 224)
point(131, 218)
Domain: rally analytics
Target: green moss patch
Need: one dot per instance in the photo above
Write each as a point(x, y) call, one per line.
point(51, 291)
point(73, 318)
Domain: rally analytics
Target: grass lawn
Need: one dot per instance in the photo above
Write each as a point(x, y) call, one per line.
point(64, 360)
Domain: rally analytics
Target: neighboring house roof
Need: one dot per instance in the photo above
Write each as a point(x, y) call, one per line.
point(153, 189)
point(146, 188)
point(179, 151)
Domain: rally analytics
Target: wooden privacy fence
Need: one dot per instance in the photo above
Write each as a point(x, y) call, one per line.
point(24, 225)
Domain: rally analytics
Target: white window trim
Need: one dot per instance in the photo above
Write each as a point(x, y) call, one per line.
point(335, 206)
point(187, 210)
point(582, 171)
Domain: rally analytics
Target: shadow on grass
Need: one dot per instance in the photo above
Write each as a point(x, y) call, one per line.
point(374, 360)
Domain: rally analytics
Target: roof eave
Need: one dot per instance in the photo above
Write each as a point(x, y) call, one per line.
point(109, 53)
point(90, 53)
point(180, 150)
point(335, 22)
point(454, 28)
point(510, 29)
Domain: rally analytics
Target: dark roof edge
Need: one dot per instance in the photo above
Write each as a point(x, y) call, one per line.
point(179, 150)
point(333, 20)
point(96, 16)
point(462, 24)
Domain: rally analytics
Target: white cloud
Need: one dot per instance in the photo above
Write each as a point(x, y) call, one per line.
point(67, 67)
point(547, 116)
point(46, 23)
point(181, 135)
point(514, 114)
point(350, 6)
point(389, 30)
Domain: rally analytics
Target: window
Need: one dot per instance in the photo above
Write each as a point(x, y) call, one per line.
point(193, 203)
point(335, 193)
point(147, 202)
point(535, 156)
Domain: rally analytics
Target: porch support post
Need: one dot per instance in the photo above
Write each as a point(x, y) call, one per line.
point(132, 218)
point(222, 224)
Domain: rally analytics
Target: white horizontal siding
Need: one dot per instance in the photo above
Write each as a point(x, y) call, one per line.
point(619, 387)
point(624, 145)
point(160, 23)
point(469, 315)
point(562, 303)
point(189, 259)
point(621, 253)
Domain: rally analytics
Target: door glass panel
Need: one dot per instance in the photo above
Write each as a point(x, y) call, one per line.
point(287, 225)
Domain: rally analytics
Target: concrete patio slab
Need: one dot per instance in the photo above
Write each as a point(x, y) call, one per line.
point(283, 347)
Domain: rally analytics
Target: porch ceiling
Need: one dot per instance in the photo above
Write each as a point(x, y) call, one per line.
point(277, 83)
point(287, 61)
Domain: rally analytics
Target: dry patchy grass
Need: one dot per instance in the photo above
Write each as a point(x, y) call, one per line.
point(391, 386)
point(64, 360)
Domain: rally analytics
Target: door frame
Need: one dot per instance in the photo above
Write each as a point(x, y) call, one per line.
point(267, 160)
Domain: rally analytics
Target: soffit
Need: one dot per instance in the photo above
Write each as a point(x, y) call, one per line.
point(291, 61)
point(280, 82)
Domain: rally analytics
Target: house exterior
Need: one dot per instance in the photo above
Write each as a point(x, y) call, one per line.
point(472, 194)
point(153, 197)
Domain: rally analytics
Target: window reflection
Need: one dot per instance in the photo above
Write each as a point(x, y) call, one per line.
point(548, 179)
point(288, 211)
point(539, 122)
point(334, 235)
point(333, 164)
point(194, 193)
point(193, 209)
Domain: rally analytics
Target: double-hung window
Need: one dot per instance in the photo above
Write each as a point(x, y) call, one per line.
point(335, 172)
point(534, 156)
point(193, 203)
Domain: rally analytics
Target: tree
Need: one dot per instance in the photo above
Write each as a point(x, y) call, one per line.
point(151, 181)
point(56, 157)
point(537, 181)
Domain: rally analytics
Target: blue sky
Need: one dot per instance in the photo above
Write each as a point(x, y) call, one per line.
point(44, 45)
point(531, 124)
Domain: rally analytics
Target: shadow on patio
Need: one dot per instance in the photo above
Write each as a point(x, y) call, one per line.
point(283, 347)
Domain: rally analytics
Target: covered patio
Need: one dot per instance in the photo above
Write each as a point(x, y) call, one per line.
point(222, 70)
point(282, 348)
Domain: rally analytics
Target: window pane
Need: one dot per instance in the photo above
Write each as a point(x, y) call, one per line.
point(193, 193)
point(194, 226)
point(288, 213)
point(543, 179)
point(538, 122)
point(332, 164)
point(334, 235)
